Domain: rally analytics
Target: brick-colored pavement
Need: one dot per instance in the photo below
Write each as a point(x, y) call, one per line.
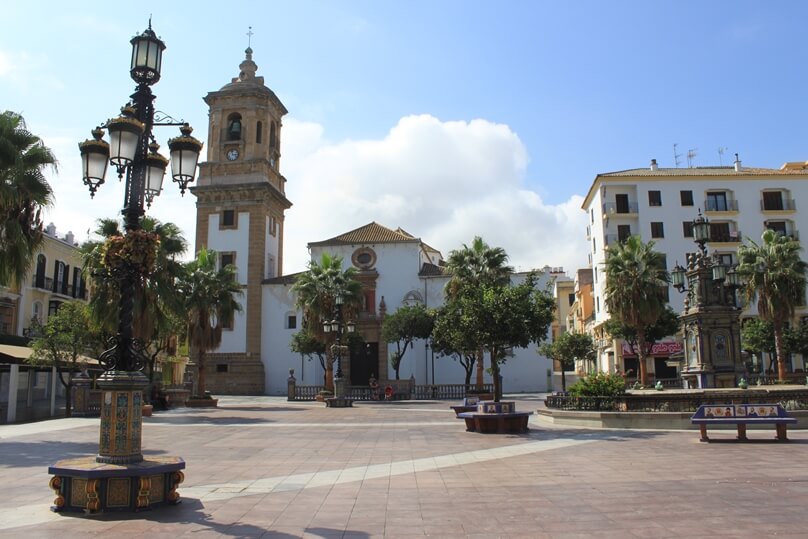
point(262, 467)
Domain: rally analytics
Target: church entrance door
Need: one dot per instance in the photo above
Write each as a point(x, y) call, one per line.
point(364, 363)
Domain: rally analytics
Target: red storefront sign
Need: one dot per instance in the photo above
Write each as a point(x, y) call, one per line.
point(664, 348)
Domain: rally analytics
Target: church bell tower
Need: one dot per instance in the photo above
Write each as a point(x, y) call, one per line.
point(240, 214)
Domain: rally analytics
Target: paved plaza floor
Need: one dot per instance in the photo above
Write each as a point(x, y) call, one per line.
point(264, 467)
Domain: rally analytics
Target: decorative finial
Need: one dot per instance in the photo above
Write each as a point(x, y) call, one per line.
point(249, 36)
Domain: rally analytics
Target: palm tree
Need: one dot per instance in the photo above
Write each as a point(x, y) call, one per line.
point(774, 275)
point(479, 264)
point(210, 303)
point(317, 290)
point(24, 191)
point(636, 280)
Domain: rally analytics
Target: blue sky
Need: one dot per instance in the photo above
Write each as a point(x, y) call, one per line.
point(447, 118)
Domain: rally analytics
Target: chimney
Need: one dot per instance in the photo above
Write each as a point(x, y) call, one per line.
point(653, 164)
point(69, 237)
point(50, 230)
point(737, 163)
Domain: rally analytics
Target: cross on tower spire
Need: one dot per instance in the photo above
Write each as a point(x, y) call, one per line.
point(249, 36)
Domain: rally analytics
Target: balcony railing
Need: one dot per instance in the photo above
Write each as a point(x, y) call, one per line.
point(46, 283)
point(720, 205)
point(726, 237)
point(610, 208)
point(786, 204)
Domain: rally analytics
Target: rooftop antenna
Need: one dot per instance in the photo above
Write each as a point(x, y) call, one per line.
point(691, 154)
point(721, 151)
point(676, 155)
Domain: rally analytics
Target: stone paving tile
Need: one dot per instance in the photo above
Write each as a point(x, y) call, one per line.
point(262, 467)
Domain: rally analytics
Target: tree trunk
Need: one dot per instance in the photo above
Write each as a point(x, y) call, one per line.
point(68, 393)
point(563, 379)
point(781, 352)
point(329, 371)
point(480, 369)
point(641, 354)
point(469, 371)
point(495, 374)
point(200, 382)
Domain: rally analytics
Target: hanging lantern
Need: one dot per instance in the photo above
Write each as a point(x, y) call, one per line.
point(185, 151)
point(156, 166)
point(147, 57)
point(94, 160)
point(124, 136)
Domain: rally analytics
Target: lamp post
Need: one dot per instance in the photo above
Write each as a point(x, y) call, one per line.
point(133, 151)
point(710, 317)
point(337, 326)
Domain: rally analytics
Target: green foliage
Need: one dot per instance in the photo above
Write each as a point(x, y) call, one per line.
point(63, 341)
point(568, 347)
point(774, 275)
point(666, 324)
point(403, 327)
point(636, 279)
point(450, 338)
point(478, 264)
point(600, 384)
point(796, 339)
point(757, 336)
point(24, 192)
point(210, 302)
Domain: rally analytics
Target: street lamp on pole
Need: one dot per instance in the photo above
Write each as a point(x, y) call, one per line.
point(132, 149)
point(338, 326)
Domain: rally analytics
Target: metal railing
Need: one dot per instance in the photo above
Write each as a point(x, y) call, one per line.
point(786, 204)
point(418, 392)
point(720, 205)
point(667, 402)
point(613, 208)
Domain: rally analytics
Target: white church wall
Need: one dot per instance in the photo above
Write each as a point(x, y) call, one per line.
point(278, 304)
point(233, 240)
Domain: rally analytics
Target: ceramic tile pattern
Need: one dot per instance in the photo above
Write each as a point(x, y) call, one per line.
point(262, 467)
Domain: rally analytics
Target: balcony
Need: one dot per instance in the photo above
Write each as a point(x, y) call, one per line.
point(46, 283)
point(733, 236)
point(610, 239)
point(720, 205)
point(43, 283)
point(613, 208)
point(782, 204)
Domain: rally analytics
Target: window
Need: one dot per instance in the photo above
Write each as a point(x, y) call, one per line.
point(571, 298)
point(623, 232)
point(59, 276)
point(221, 367)
point(621, 203)
point(270, 267)
point(597, 303)
point(259, 132)
point(686, 198)
point(772, 200)
point(227, 322)
point(40, 271)
point(226, 259)
point(75, 291)
point(687, 229)
point(725, 259)
point(721, 232)
point(273, 137)
point(657, 230)
point(273, 226)
point(777, 226)
point(592, 215)
point(228, 219)
point(53, 307)
point(291, 321)
point(595, 273)
point(234, 127)
point(654, 198)
point(716, 201)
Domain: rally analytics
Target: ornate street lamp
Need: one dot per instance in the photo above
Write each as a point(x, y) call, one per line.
point(711, 317)
point(133, 151)
point(338, 327)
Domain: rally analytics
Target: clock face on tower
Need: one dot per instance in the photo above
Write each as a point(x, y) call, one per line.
point(232, 154)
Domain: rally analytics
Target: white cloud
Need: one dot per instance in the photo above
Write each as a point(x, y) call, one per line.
point(444, 182)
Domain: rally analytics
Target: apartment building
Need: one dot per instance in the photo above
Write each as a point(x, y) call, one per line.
point(55, 277)
point(660, 204)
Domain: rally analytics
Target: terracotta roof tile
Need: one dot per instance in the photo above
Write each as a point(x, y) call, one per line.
point(370, 233)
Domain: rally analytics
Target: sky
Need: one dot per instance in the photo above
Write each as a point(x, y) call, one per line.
point(448, 118)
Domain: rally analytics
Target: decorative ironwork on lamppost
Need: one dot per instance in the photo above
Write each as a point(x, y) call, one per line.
point(133, 152)
point(337, 326)
point(119, 477)
point(711, 315)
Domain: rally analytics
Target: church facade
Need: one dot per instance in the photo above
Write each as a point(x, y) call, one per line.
point(241, 205)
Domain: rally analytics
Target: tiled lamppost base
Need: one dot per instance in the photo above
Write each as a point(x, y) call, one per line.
point(339, 400)
point(118, 478)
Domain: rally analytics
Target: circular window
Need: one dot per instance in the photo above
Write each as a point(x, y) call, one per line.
point(364, 258)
